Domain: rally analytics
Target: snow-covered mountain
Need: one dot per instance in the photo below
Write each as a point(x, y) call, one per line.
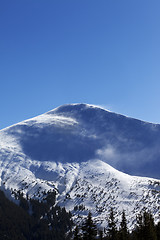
point(88, 155)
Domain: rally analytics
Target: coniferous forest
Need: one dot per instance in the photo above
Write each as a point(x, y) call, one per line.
point(39, 220)
point(32, 219)
point(145, 229)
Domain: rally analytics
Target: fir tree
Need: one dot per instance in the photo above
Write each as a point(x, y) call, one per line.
point(100, 234)
point(145, 227)
point(77, 235)
point(149, 232)
point(139, 227)
point(158, 231)
point(123, 231)
point(89, 228)
point(112, 229)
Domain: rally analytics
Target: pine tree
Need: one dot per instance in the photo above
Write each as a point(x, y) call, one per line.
point(158, 231)
point(149, 232)
point(145, 227)
point(123, 231)
point(100, 234)
point(112, 229)
point(139, 227)
point(89, 228)
point(76, 234)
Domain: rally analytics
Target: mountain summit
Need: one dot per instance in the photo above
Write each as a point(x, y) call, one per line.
point(81, 132)
point(87, 154)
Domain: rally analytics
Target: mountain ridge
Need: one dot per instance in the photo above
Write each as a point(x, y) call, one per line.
point(87, 155)
point(118, 140)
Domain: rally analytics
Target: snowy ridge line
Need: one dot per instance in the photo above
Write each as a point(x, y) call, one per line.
point(75, 104)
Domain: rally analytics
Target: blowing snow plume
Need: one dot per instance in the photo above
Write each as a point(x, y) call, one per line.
point(80, 132)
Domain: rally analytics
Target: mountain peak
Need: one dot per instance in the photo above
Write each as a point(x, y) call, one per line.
point(75, 107)
point(80, 132)
point(87, 154)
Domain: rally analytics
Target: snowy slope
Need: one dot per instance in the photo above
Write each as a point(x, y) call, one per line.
point(98, 187)
point(72, 148)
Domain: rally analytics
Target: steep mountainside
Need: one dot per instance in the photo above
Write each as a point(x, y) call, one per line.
point(72, 149)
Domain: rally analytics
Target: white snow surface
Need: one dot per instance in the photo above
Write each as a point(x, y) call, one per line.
point(71, 149)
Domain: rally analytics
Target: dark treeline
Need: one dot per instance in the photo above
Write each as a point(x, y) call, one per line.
point(32, 219)
point(145, 229)
point(42, 220)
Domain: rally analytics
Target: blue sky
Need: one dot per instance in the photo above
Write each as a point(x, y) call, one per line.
point(54, 52)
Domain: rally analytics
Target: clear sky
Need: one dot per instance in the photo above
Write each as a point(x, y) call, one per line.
point(104, 52)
